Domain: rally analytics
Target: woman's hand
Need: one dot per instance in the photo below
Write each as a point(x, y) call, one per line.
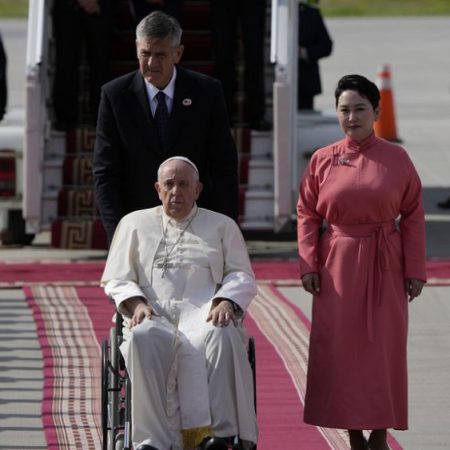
point(311, 282)
point(413, 288)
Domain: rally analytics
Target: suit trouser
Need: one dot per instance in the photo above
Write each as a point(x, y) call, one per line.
point(71, 27)
point(158, 357)
point(225, 16)
point(3, 83)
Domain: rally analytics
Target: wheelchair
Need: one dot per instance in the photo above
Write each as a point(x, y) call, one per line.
point(116, 391)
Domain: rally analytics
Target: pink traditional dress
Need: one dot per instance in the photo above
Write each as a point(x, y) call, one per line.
point(369, 198)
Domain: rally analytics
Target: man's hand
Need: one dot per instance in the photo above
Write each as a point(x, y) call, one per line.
point(413, 288)
point(221, 313)
point(138, 310)
point(89, 6)
point(141, 312)
point(303, 53)
point(311, 282)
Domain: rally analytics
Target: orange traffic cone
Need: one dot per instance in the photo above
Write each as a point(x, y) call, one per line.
point(385, 125)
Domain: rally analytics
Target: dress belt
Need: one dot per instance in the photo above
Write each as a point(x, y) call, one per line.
point(379, 233)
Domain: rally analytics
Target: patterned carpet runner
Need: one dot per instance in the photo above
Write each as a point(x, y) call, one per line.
point(73, 316)
point(72, 368)
point(72, 321)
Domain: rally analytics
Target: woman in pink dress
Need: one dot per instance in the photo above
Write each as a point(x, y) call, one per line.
point(361, 237)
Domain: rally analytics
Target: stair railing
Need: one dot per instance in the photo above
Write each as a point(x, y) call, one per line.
point(36, 123)
point(284, 38)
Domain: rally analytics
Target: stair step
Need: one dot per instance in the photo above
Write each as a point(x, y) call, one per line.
point(205, 67)
point(52, 174)
point(80, 140)
point(120, 68)
point(78, 234)
point(256, 224)
point(197, 46)
point(259, 194)
point(262, 143)
point(243, 139)
point(123, 16)
point(49, 208)
point(261, 173)
point(196, 15)
point(76, 203)
point(55, 147)
point(258, 204)
point(78, 171)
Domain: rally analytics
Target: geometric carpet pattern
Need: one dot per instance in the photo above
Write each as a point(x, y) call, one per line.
point(287, 329)
point(72, 370)
point(78, 225)
point(73, 316)
point(289, 334)
point(73, 320)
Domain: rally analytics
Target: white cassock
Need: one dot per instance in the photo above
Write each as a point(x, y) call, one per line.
point(187, 375)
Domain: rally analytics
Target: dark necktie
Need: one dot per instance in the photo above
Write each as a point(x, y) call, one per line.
point(162, 119)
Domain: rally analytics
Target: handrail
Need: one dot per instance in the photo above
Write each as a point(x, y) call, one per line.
point(273, 31)
point(35, 114)
point(35, 34)
point(284, 38)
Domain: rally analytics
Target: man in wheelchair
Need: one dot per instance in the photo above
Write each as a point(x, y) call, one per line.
point(181, 277)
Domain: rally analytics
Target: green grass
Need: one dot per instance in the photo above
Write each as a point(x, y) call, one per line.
point(19, 8)
point(13, 8)
point(385, 7)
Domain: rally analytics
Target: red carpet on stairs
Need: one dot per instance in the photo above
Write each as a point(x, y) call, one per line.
point(77, 225)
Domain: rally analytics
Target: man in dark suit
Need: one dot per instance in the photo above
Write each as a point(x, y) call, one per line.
point(250, 15)
point(137, 129)
point(78, 22)
point(314, 43)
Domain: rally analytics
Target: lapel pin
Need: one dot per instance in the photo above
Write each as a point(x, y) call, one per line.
point(187, 102)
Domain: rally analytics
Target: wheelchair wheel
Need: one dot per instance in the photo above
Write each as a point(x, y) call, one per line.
point(114, 391)
point(110, 391)
point(252, 361)
point(105, 393)
point(120, 441)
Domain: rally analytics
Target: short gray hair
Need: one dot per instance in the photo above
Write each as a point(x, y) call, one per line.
point(159, 25)
point(184, 159)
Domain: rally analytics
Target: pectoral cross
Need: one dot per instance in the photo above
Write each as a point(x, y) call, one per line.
point(165, 263)
point(165, 266)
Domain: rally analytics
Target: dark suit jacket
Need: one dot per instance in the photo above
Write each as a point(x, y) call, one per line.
point(127, 150)
point(3, 84)
point(313, 35)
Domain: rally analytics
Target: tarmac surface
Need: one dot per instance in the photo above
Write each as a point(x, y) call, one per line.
point(417, 50)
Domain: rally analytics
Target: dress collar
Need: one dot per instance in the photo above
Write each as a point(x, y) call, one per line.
point(360, 146)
